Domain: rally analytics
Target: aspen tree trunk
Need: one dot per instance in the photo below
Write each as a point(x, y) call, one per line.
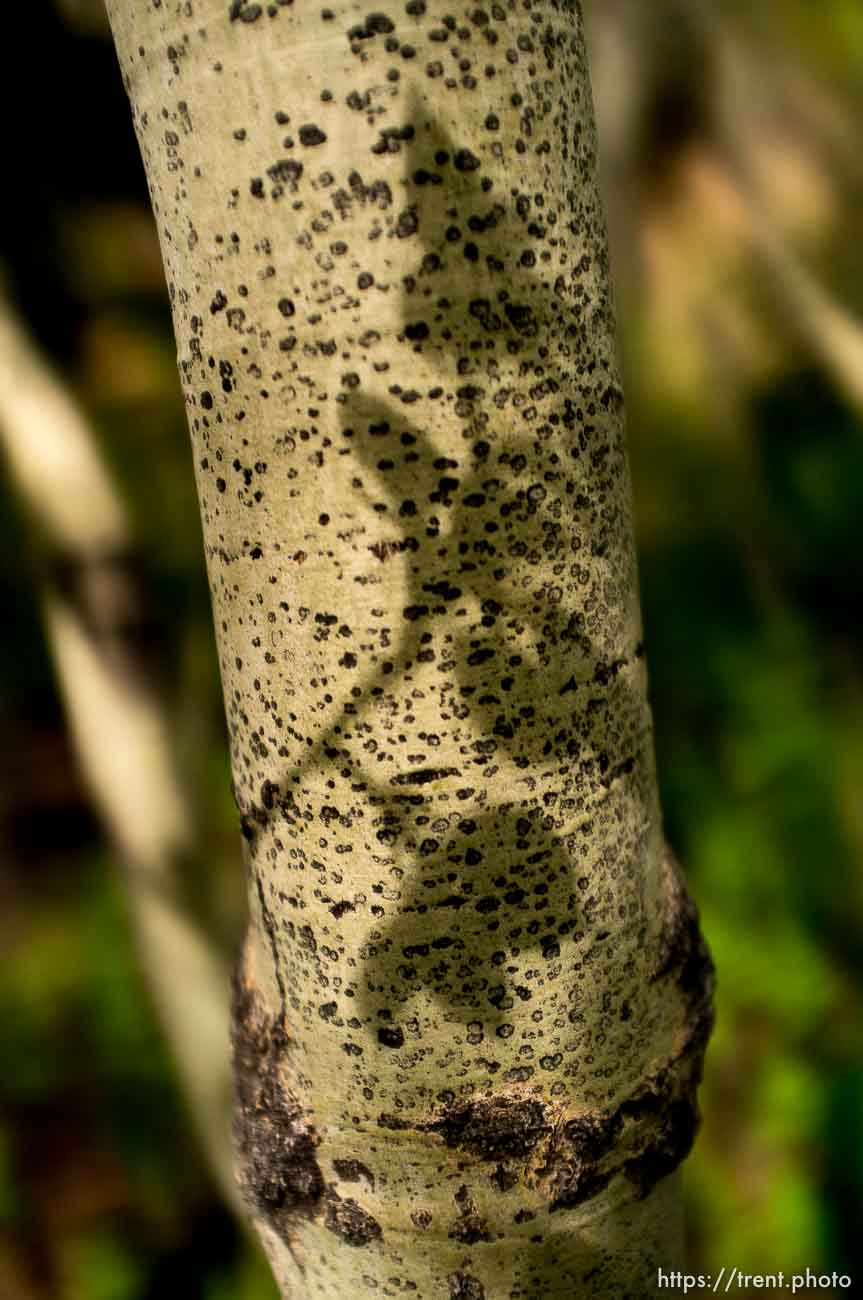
point(472, 1005)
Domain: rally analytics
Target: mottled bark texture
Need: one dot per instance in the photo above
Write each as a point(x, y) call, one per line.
point(472, 1005)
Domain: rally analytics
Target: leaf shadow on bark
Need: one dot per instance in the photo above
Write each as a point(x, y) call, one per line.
point(477, 889)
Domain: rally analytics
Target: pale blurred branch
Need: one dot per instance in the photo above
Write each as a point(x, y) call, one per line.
point(824, 327)
point(95, 608)
point(723, 155)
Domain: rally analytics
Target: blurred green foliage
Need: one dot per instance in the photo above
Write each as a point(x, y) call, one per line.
point(754, 653)
point(751, 555)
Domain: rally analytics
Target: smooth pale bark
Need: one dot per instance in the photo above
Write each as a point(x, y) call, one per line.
point(472, 1004)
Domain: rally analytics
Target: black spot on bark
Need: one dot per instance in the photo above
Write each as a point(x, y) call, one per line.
point(351, 1171)
point(245, 12)
point(468, 1228)
point(393, 1122)
point(391, 1036)
point(373, 25)
point(463, 1286)
point(311, 135)
point(423, 776)
point(287, 171)
point(407, 224)
point(465, 161)
point(349, 1221)
point(521, 318)
point(493, 1127)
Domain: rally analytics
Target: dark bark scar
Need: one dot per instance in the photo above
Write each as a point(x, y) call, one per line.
point(278, 1171)
point(574, 1157)
point(276, 1141)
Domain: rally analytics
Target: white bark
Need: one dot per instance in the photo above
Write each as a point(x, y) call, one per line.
point(473, 1001)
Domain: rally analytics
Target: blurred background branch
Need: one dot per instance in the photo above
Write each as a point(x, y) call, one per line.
point(100, 628)
point(729, 165)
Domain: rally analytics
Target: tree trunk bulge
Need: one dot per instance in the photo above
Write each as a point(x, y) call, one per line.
point(473, 1002)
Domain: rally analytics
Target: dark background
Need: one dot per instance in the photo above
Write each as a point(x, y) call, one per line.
point(747, 456)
